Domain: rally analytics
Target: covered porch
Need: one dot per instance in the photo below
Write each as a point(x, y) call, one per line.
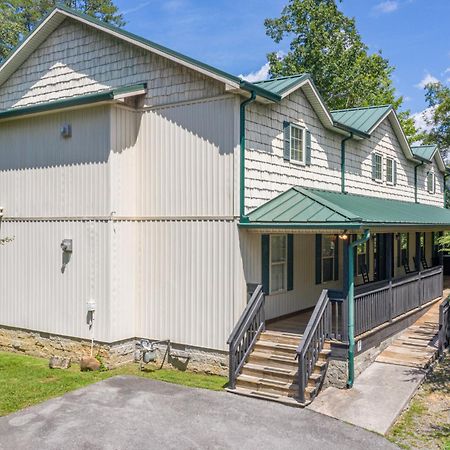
point(318, 250)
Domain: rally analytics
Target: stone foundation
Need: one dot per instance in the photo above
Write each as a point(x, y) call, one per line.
point(44, 345)
point(337, 371)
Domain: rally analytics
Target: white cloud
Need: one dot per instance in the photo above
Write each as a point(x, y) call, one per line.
point(420, 119)
point(428, 78)
point(259, 75)
point(136, 8)
point(386, 7)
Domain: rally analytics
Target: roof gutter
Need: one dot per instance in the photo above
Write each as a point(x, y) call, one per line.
point(351, 307)
point(343, 161)
point(242, 216)
point(356, 132)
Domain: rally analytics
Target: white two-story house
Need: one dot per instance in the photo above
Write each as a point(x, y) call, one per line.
point(166, 199)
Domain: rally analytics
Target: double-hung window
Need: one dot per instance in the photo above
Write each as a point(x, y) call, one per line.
point(297, 143)
point(328, 257)
point(278, 263)
point(389, 171)
point(377, 167)
point(430, 182)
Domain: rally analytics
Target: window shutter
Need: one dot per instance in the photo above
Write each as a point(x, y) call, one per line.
point(395, 172)
point(287, 141)
point(374, 169)
point(336, 258)
point(265, 256)
point(290, 262)
point(307, 147)
point(318, 258)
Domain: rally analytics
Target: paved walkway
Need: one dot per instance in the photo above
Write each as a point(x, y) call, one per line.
point(385, 388)
point(137, 413)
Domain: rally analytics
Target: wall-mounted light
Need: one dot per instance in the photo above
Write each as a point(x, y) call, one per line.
point(66, 131)
point(343, 236)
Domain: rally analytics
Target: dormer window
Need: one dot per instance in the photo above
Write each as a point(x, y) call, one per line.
point(430, 182)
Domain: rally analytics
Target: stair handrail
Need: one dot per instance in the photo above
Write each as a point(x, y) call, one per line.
point(246, 332)
point(320, 316)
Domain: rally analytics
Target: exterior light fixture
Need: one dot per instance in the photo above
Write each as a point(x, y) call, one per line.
point(343, 236)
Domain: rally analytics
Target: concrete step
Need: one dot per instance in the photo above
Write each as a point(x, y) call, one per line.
point(281, 337)
point(315, 379)
point(289, 401)
point(282, 361)
point(277, 387)
point(275, 348)
point(262, 370)
point(324, 354)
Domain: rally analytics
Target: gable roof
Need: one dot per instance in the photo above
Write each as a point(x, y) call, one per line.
point(312, 208)
point(425, 152)
point(362, 119)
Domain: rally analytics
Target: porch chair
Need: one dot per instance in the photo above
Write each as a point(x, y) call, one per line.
point(365, 273)
point(406, 266)
point(424, 263)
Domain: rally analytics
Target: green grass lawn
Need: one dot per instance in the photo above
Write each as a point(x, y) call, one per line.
point(25, 381)
point(425, 424)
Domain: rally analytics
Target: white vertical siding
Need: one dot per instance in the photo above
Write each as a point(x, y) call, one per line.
point(45, 175)
point(36, 295)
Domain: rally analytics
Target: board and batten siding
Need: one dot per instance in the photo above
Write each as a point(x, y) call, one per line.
point(44, 175)
point(268, 174)
point(37, 295)
point(77, 60)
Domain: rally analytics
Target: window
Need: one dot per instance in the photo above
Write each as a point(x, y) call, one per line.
point(328, 257)
point(297, 144)
point(389, 171)
point(278, 263)
point(377, 167)
point(430, 182)
point(361, 256)
point(403, 255)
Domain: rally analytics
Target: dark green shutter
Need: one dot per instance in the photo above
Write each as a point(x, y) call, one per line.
point(265, 263)
point(287, 141)
point(336, 258)
point(290, 262)
point(395, 172)
point(307, 147)
point(318, 258)
point(374, 169)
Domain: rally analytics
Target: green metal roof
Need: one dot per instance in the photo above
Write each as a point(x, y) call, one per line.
point(361, 119)
point(279, 86)
point(425, 152)
point(102, 96)
point(308, 208)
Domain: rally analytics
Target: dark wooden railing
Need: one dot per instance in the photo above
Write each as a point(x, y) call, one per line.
point(444, 326)
point(317, 331)
point(246, 333)
point(381, 302)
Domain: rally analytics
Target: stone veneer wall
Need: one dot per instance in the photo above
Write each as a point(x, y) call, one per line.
point(45, 345)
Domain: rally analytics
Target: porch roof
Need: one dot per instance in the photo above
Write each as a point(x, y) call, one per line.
point(312, 208)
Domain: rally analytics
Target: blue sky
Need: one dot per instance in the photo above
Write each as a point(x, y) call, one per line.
point(413, 34)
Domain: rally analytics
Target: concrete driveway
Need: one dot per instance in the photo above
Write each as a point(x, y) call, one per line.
point(136, 413)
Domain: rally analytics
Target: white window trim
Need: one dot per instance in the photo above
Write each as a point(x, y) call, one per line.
point(380, 180)
point(391, 183)
point(328, 257)
point(280, 291)
point(433, 182)
point(303, 130)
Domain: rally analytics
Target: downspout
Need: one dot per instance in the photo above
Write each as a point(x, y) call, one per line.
point(351, 308)
point(242, 216)
point(415, 181)
point(343, 161)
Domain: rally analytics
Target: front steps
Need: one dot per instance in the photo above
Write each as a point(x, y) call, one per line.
point(271, 371)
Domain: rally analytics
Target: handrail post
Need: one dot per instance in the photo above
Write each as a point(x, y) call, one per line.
point(391, 301)
point(420, 289)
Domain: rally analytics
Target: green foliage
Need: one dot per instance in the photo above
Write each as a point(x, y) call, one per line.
point(444, 242)
point(25, 381)
point(326, 44)
point(437, 96)
point(17, 18)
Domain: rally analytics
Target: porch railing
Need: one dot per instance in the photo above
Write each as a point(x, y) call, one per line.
point(378, 303)
point(444, 326)
point(317, 331)
point(246, 333)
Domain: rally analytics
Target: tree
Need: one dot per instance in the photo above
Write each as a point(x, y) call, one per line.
point(326, 44)
point(17, 18)
point(437, 95)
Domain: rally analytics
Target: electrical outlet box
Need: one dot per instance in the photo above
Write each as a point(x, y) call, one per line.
point(66, 131)
point(91, 305)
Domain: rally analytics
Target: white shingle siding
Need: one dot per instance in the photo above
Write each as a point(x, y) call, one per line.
point(77, 60)
point(268, 174)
